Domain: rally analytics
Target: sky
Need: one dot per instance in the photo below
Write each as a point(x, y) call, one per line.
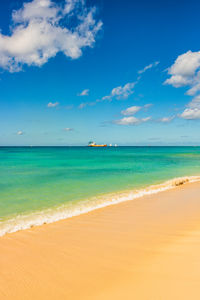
point(111, 71)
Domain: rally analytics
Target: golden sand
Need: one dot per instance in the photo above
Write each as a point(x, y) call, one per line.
point(148, 248)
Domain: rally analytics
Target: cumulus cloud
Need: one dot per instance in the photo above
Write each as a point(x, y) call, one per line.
point(84, 93)
point(148, 67)
point(191, 114)
point(195, 103)
point(194, 89)
point(52, 104)
point(121, 92)
point(177, 81)
point(42, 28)
point(192, 111)
point(186, 72)
point(20, 132)
point(131, 121)
point(68, 129)
point(131, 110)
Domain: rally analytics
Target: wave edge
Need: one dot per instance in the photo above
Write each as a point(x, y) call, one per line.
point(51, 215)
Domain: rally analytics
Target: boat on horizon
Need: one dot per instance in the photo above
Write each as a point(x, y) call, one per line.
point(93, 144)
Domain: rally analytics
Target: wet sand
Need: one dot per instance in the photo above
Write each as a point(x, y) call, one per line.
point(148, 248)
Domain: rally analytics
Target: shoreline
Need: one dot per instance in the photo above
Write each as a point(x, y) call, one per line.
point(143, 250)
point(63, 212)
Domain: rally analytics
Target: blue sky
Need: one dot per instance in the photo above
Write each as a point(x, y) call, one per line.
point(124, 72)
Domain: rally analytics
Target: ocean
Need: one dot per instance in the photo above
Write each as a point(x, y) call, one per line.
point(44, 184)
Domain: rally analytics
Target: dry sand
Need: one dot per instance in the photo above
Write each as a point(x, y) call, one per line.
point(148, 248)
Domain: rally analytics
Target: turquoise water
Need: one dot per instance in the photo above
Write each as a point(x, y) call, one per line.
point(39, 178)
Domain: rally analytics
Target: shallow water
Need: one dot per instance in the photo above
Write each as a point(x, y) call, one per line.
point(41, 178)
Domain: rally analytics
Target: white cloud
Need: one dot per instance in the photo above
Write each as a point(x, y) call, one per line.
point(132, 121)
point(185, 71)
point(128, 121)
point(148, 67)
point(52, 104)
point(134, 109)
point(194, 89)
point(121, 92)
point(68, 129)
point(146, 119)
point(195, 103)
point(84, 93)
point(186, 64)
point(42, 28)
point(190, 114)
point(178, 81)
point(131, 110)
point(20, 132)
point(166, 119)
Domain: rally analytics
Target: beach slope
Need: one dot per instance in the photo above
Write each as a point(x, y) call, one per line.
point(148, 248)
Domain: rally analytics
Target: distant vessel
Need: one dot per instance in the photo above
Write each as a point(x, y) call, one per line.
point(93, 144)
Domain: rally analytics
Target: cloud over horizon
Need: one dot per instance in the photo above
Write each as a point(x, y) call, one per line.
point(131, 110)
point(40, 29)
point(68, 129)
point(132, 121)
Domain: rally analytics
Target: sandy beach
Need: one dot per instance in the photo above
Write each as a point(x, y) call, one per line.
point(147, 248)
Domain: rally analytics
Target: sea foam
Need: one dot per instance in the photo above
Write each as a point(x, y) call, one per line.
point(22, 222)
